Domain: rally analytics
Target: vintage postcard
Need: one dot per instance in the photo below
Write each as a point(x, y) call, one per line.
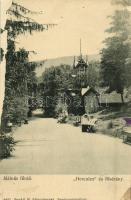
point(65, 99)
point(66, 188)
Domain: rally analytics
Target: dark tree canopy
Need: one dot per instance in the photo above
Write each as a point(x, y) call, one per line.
point(122, 2)
point(20, 80)
point(116, 52)
point(57, 81)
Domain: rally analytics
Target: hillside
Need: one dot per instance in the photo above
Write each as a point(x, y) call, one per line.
point(68, 60)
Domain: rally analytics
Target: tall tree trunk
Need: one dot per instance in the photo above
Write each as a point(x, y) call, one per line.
point(122, 98)
point(5, 5)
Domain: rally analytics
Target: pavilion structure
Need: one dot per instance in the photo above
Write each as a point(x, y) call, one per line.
point(80, 70)
point(79, 81)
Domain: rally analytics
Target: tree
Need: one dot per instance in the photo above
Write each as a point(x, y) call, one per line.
point(116, 52)
point(20, 74)
point(58, 84)
point(93, 75)
point(122, 2)
point(1, 54)
point(55, 80)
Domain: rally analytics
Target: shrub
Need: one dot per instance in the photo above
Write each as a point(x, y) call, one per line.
point(7, 144)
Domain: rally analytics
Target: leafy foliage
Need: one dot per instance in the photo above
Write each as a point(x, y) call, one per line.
point(116, 52)
point(20, 76)
point(16, 8)
point(122, 2)
point(55, 81)
point(16, 28)
point(6, 145)
point(1, 54)
point(120, 23)
point(58, 81)
point(93, 75)
point(21, 23)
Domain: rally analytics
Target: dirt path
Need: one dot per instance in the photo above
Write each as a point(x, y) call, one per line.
point(46, 147)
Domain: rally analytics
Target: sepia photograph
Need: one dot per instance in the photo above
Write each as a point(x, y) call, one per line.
point(65, 87)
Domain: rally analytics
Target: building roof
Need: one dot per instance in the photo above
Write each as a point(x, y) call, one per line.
point(81, 63)
point(85, 91)
point(110, 98)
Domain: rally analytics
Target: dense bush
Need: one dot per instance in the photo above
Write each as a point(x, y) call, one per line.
point(7, 144)
point(58, 81)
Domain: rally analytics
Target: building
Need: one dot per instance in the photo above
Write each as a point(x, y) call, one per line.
point(80, 69)
point(94, 101)
point(79, 80)
point(112, 99)
point(90, 99)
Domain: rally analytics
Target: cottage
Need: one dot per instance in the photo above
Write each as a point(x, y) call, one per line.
point(90, 98)
point(110, 100)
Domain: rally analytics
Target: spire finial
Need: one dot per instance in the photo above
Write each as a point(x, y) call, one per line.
point(74, 62)
point(80, 48)
point(86, 59)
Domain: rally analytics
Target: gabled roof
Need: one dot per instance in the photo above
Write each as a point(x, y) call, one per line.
point(110, 98)
point(85, 91)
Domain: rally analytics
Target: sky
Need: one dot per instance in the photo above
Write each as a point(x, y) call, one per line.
point(75, 19)
point(4, 5)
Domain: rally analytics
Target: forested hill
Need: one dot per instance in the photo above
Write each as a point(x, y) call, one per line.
point(68, 60)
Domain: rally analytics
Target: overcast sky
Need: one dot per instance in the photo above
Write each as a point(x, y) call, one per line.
point(85, 19)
